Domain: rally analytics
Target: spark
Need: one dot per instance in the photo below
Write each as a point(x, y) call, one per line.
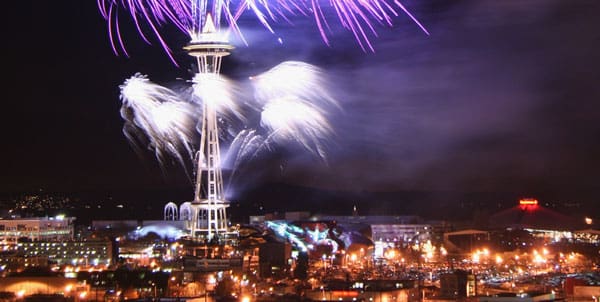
point(191, 16)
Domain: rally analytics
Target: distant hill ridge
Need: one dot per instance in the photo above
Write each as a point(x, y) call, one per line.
point(281, 197)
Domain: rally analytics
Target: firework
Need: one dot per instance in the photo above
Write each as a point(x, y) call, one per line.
point(293, 78)
point(285, 114)
point(157, 117)
point(292, 118)
point(220, 92)
point(191, 17)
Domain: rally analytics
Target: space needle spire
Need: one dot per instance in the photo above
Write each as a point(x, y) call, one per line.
point(209, 216)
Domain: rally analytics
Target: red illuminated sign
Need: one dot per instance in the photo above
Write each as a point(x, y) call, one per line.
point(528, 202)
point(344, 293)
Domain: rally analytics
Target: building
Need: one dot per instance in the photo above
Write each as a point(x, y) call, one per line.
point(80, 252)
point(519, 297)
point(57, 228)
point(24, 286)
point(10, 262)
point(394, 230)
point(274, 258)
point(458, 284)
point(44, 285)
point(530, 224)
point(528, 214)
point(164, 229)
point(465, 241)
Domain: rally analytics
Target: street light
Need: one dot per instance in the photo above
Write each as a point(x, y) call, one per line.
point(154, 288)
point(174, 281)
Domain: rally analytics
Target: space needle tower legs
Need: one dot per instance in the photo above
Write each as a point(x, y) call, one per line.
point(209, 216)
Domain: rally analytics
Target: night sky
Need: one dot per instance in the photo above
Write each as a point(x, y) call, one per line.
point(501, 96)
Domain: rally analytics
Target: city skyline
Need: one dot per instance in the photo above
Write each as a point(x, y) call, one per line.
point(500, 97)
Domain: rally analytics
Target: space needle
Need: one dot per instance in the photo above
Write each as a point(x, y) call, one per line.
point(209, 208)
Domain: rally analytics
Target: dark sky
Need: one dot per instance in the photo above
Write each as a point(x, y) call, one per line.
point(502, 96)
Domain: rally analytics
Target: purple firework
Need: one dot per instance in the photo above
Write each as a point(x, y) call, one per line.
point(190, 16)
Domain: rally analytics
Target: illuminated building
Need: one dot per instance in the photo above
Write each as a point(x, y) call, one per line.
point(11, 262)
point(587, 236)
point(401, 232)
point(333, 236)
point(466, 240)
point(140, 253)
point(524, 297)
point(25, 285)
point(529, 214)
point(541, 222)
point(317, 238)
point(366, 290)
point(195, 264)
point(165, 229)
point(396, 230)
point(36, 229)
point(84, 253)
point(14, 261)
point(150, 242)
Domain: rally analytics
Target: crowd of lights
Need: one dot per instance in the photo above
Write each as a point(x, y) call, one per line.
point(493, 267)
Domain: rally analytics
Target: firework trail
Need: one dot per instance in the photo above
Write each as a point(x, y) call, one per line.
point(190, 16)
point(287, 114)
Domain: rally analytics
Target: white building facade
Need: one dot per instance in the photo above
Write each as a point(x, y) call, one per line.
point(57, 228)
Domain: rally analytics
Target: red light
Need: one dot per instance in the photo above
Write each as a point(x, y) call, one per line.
point(528, 202)
point(344, 293)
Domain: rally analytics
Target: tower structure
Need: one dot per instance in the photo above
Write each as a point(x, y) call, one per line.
point(209, 216)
